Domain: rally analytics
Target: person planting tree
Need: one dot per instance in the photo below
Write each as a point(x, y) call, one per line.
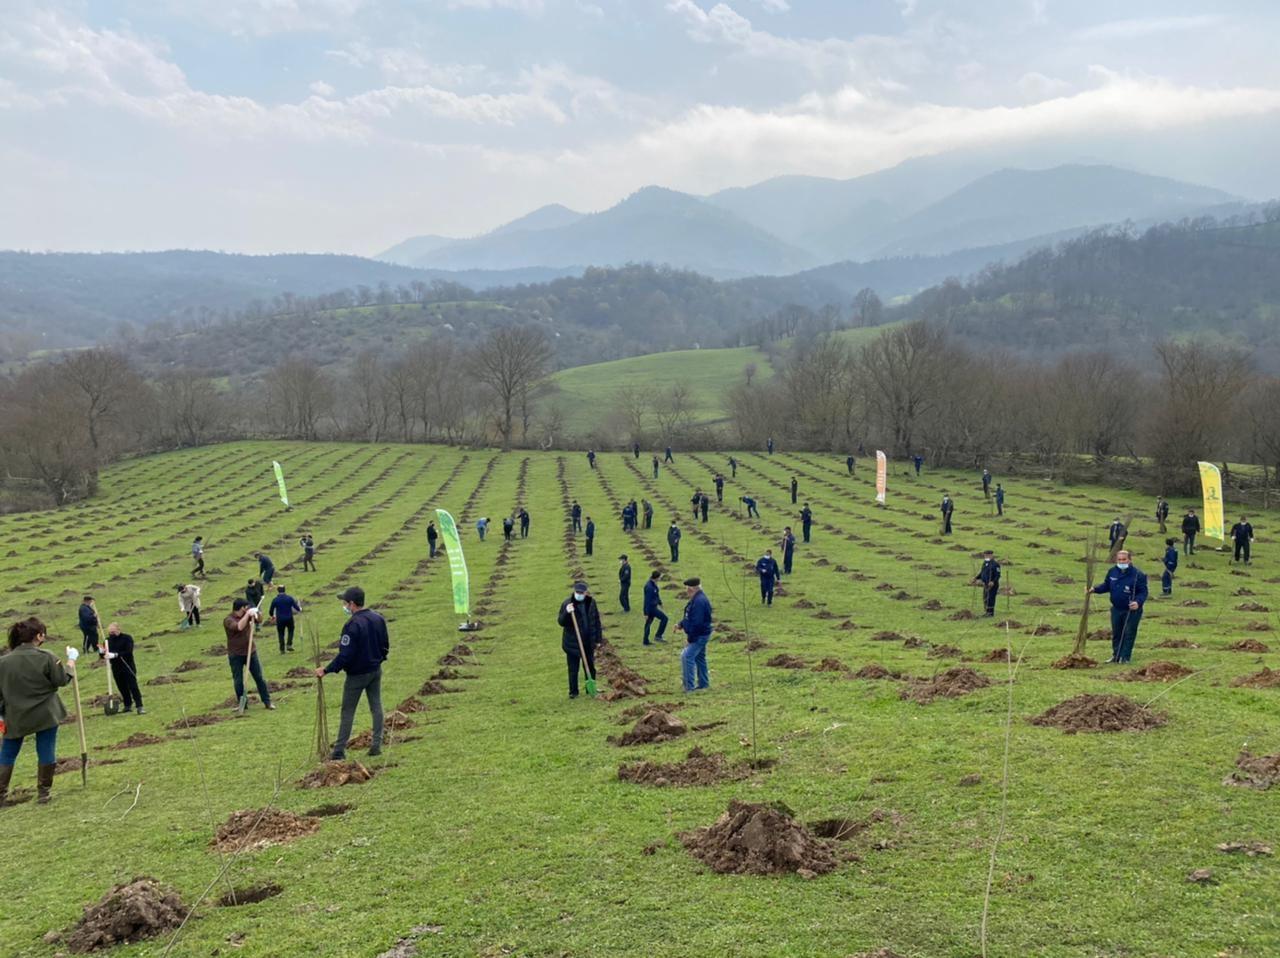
point(119, 655)
point(241, 651)
point(580, 632)
point(189, 603)
point(29, 705)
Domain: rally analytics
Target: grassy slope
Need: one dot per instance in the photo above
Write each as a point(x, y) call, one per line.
point(585, 392)
point(504, 823)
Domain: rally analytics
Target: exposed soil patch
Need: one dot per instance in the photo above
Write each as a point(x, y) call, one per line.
point(1255, 771)
point(190, 665)
point(412, 704)
point(944, 652)
point(1184, 621)
point(1157, 672)
point(1035, 600)
point(249, 896)
point(758, 839)
point(300, 672)
point(137, 740)
point(1175, 644)
point(1193, 603)
point(874, 670)
point(191, 721)
point(251, 829)
point(755, 645)
point(1009, 624)
point(328, 811)
point(803, 604)
point(886, 637)
point(449, 674)
point(165, 680)
point(1266, 679)
point(1045, 629)
point(216, 650)
point(1249, 849)
point(135, 911)
point(636, 711)
point(997, 655)
point(432, 687)
point(698, 769)
point(950, 684)
point(787, 662)
point(1258, 626)
point(654, 726)
point(1248, 645)
point(1074, 661)
point(336, 773)
point(933, 605)
point(397, 721)
point(847, 626)
point(830, 665)
point(71, 763)
point(1252, 607)
point(1100, 713)
point(964, 615)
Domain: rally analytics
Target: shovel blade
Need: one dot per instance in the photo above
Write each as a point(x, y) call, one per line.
point(244, 704)
point(591, 687)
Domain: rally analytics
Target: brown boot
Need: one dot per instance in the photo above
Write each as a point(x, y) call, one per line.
point(44, 781)
point(6, 773)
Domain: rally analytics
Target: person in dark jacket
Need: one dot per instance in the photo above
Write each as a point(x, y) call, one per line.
point(767, 570)
point(947, 508)
point(1242, 536)
point(1115, 533)
point(624, 583)
point(989, 578)
point(575, 513)
point(362, 649)
point(655, 467)
point(119, 655)
point(986, 484)
point(696, 502)
point(29, 681)
point(591, 534)
point(1162, 512)
point(751, 507)
point(653, 608)
point(704, 505)
point(1170, 566)
point(788, 549)
point(508, 527)
point(1127, 586)
point(580, 607)
point(917, 461)
point(696, 625)
point(719, 480)
point(433, 537)
point(242, 651)
point(90, 627)
point(673, 540)
point(635, 449)
point(1190, 527)
point(999, 499)
point(806, 521)
point(733, 467)
point(648, 513)
point(769, 445)
point(283, 608)
point(308, 545)
point(848, 464)
point(524, 523)
point(669, 457)
point(266, 568)
point(795, 489)
point(591, 458)
point(253, 592)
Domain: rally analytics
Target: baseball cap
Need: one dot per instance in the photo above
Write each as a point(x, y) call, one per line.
point(352, 594)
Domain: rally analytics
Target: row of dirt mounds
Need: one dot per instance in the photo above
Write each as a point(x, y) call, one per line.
point(952, 683)
point(654, 726)
point(759, 839)
point(1255, 771)
point(1100, 713)
point(624, 682)
point(1265, 679)
point(1157, 672)
point(331, 774)
point(250, 829)
point(699, 768)
point(134, 911)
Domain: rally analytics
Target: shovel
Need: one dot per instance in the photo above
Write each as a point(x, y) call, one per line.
point(112, 705)
point(243, 706)
point(591, 683)
point(73, 654)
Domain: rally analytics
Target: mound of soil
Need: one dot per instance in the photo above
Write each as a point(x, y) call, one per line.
point(997, 655)
point(886, 637)
point(432, 687)
point(1258, 626)
point(1250, 849)
point(874, 670)
point(1266, 679)
point(1074, 662)
point(803, 604)
point(1009, 624)
point(698, 769)
point(964, 615)
point(249, 896)
point(412, 704)
point(138, 739)
point(1196, 584)
point(1100, 713)
point(1035, 600)
point(1255, 771)
point(251, 829)
point(71, 763)
point(654, 726)
point(1193, 603)
point(190, 665)
point(1248, 645)
point(1252, 607)
point(636, 711)
point(944, 652)
point(216, 650)
point(135, 911)
point(165, 680)
point(1157, 672)
point(755, 645)
point(397, 721)
point(300, 672)
point(445, 674)
point(914, 642)
point(1045, 629)
point(336, 773)
point(787, 662)
point(758, 839)
point(1063, 580)
point(1184, 621)
point(950, 684)
point(1175, 644)
point(933, 605)
point(847, 625)
point(830, 665)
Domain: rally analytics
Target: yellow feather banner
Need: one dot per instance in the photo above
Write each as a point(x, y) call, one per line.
point(1211, 485)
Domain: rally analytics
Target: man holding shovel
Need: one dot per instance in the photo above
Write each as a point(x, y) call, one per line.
point(119, 655)
point(241, 652)
point(581, 631)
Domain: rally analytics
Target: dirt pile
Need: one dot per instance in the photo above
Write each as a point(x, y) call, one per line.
point(698, 769)
point(933, 605)
point(1074, 661)
point(433, 687)
point(331, 774)
point(830, 665)
point(136, 740)
point(964, 615)
point(1266, 679)
point(252, 828)
point(1255, 771)
point(886, 637)
point(874, 670)
point(412, 704)
point(300, 672)
point(190, 665)
point(1157, 672)
point(1175, 644)
point(249, 896)
point(758, 839)
point(1248, 849)
point(654, 726)
point(944, 652)
point(132, 912)
point(1248, 645)
point(1100, 713)
point(1257, 626)
point(787, 662)
point(996, 655)
point(950, 684)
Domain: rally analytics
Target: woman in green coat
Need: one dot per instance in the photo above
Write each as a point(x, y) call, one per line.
point(29, 705)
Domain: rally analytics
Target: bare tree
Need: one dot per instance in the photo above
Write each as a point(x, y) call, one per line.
point(868, 310)
point(673, 412)
point(510, 361)
point(903, 372)
point(300, 395)
point(105, 383)
point(633, 407)
point(190, 408)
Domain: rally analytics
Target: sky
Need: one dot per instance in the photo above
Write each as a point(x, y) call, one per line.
point(348, 125)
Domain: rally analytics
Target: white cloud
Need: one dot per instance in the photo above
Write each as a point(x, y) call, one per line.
point(259, 18)
point(1148, 26)
point(1036, 86)
point(522, 6)
point(320, 88)
point(775, 6)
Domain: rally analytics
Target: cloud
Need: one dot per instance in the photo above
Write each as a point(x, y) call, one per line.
point(260, 18)
point(1145, 27)
point(523, 6)
point(320, 88)
point(1037, 86)
point(775, 6)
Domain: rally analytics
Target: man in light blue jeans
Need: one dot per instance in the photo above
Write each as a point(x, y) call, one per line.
point(696, 626)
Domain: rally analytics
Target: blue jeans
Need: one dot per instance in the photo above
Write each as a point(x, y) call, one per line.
point(1124, 630)
point(46, 747)
point(648, 622)
point(693, 658)
point(237, 663)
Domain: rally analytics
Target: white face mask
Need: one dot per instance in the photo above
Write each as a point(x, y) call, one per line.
point(579, 596)
point(1122, 566)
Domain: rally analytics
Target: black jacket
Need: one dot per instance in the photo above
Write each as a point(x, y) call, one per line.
point(1190, 524)
point(588, 615)
point(624, 576)
point(364, 645)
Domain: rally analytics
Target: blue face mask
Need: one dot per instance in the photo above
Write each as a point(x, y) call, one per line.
point(346, 608)
point(1122, 566)
point(579, 596)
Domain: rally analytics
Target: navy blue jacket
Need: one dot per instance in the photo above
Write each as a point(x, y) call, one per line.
point(1116, 532)
point(1242, 532)
point(1171, 559)
point(948, 506)
point(624, 576)
point(697, 617)
point(364, 645)
point(266, 568)
point(88, 619)
point(767, 568)
point(789, 544)
point(1125, 587)
point(1000, 494)
point(652, 597)
point(576, 511)
point(591, 529)
point(283, 606)
point(673, 535)
point(806, 516)
point(989, 574)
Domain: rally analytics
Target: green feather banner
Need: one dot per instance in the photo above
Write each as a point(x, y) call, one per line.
point(457, 564)
point(284, 494)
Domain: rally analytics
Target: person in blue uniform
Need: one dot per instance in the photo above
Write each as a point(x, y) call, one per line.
point(767, 570)
point(624, 583)
point(696, 625)
point(1170, 566)
point(806, 521)
point(751, 507)
point(591, 535)
point(653, 608)
point(575, 513)
point(673, 540)
point(788, 549)
point(989, 578)
point(1126, 585)
point(947, 509)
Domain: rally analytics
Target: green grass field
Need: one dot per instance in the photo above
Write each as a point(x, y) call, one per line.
point(585, 392)
point(496, 824)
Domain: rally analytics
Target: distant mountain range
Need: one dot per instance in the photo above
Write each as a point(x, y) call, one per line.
point(927, 207)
